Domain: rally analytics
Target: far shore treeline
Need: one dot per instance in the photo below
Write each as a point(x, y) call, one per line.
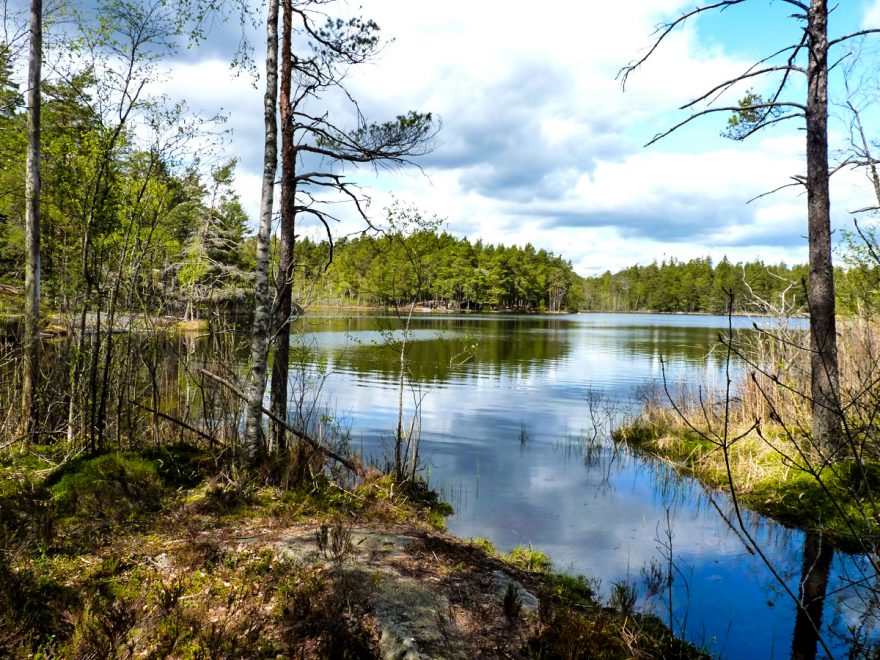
point(696, 286)
point(699, 286)
point(177, 240)
point(439, 270)
point(442, 271)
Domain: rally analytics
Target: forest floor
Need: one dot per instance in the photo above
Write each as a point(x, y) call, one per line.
point(159, 553)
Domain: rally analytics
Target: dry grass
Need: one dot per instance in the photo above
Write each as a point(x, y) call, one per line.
point(756, 440)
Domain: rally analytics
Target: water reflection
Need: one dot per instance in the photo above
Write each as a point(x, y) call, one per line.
point(818, 554)
point(510, 438)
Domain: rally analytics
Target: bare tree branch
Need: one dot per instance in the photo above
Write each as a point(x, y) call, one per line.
point(709, 111)
point(743, 76)
point(665, 29)
point(853, 35)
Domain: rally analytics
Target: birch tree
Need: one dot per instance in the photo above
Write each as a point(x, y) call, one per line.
point(254, 443)
point(32, 224)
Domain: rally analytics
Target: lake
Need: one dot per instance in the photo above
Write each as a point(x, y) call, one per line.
point(514, 413)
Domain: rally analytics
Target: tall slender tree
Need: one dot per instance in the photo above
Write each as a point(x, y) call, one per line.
point(750, 115)
point(825, 379)
point(754, 113)
point(284, 295)
point(310, 138)
point(32, 224)
point(254, 439)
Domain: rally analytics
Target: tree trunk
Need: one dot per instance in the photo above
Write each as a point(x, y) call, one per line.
point(108, 348)
point(398, 443)
point(823, 331)
point(284, 308)
point(32, 227)
point(253, 447)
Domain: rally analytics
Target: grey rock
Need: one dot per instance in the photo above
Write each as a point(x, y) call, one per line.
point(529, 601)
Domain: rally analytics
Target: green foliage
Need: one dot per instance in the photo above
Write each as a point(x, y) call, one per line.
point(826, 503)
point(638, 433)
point(486, 546)
point(754, 113)
point(833, 500)
point(12, 160)
point(575, 633)
point(180, 465)
point(697, 286)
point(529, 559)
point(123, 205)
point(11, 98)
point(419, 262)
point(33, 596)
point(409, 129)
point(623, 597)
point(422, 496)
point(215, 262)
point(352, 40)
point(858, 285)
point(250, 604)
point(113, 488)
point(573, 590)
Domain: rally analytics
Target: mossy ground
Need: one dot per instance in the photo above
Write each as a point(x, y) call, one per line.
point(141, 553)
point(771, 476)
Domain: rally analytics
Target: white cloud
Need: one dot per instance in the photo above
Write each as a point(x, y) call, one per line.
point(871, 17)
point(540, 144)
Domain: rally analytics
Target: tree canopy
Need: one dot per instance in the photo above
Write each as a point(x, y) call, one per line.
point(454, 272)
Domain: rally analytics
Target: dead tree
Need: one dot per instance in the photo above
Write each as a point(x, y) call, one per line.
point(809, 57)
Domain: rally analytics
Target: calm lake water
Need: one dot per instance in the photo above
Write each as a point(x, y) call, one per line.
point(514, 420)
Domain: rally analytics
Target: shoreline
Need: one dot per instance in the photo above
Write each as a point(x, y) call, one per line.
point(199, 564)
point(427, 310)
point(820, 503)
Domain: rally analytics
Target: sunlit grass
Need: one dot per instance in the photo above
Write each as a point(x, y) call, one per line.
point(755, 440)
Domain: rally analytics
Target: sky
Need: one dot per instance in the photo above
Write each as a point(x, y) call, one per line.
point(540, 143)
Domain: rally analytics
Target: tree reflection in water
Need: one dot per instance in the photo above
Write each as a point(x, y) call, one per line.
point(818, 554)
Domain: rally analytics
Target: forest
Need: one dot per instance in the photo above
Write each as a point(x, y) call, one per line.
point(699, 286)
point(440, 271)
point(126, 222)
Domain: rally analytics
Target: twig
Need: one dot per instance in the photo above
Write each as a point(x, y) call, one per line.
point(354, 466)
point(179, 422)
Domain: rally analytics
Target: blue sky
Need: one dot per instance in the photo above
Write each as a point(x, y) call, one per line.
point(540, 144)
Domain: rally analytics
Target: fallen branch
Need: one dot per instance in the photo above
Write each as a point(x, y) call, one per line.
point(179, 422)
point(8, 289)
point(352, 465)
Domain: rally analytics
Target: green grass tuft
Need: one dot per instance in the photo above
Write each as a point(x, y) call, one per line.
point(837, 500)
